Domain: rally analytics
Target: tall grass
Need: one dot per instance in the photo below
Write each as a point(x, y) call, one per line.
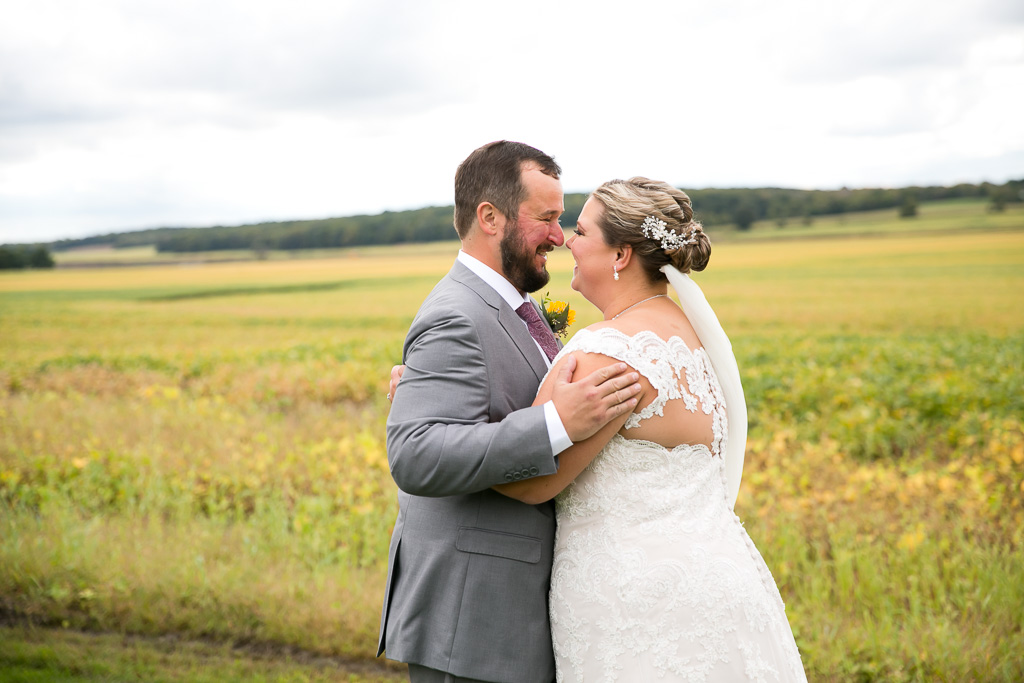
point(199, 451)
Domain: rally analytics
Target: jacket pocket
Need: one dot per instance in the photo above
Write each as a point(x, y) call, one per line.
point(499, 544)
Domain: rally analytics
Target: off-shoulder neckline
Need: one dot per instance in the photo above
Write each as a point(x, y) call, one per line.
point(641, 333)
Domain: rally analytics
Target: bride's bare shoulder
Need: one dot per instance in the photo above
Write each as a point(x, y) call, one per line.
point(629, 326)
point(665, 327)
point(600, 325)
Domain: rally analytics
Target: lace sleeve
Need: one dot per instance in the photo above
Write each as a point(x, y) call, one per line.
point(672, 368)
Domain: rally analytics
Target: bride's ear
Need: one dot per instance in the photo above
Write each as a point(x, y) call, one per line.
point(488, 217)
point(623, 256)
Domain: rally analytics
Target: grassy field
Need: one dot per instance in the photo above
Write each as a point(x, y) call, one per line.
point(953, 215)
point(30, 655)
point(197, 451)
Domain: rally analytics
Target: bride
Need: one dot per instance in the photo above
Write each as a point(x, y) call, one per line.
point(654, 577)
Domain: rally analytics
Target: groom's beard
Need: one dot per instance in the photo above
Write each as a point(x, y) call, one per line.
point(518, 262)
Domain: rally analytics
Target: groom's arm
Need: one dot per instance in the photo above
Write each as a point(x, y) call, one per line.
point(440, 439)
point(576, 458)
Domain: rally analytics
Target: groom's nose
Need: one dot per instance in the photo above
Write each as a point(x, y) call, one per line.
point(555, 234)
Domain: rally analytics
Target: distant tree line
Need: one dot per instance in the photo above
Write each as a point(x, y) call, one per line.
point(14, 258)
point(716, 208)
point(741, 207)
point(421, 225)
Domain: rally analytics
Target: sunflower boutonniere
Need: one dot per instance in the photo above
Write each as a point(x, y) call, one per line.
point(558, 314)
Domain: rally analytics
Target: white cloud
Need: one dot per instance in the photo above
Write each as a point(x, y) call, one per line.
point(125, 114)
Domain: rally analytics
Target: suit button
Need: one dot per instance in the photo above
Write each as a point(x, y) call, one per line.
point(508, 477)
point(534, 471)
point(517, 476)
point(525, 472)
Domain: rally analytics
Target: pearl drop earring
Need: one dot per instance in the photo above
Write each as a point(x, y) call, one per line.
point(615, 269)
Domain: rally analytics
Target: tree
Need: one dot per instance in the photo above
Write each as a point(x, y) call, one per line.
point(908, 209)
point(744, 217)
point(40, 258)
point(11, 259)
point(1000, 197)
point(259, 247)
point(779, 210)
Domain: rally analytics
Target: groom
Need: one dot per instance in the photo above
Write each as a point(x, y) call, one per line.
point(468, 569)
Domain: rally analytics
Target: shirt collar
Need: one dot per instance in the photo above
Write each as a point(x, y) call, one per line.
point(494, 280)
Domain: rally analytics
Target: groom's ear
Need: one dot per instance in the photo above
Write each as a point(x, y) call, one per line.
point(488, 218)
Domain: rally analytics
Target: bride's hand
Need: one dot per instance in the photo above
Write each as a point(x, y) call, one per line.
point(396, 375)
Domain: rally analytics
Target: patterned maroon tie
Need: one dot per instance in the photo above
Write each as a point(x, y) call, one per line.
point(539, 329)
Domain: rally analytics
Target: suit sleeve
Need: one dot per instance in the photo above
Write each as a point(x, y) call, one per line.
point(439, 437)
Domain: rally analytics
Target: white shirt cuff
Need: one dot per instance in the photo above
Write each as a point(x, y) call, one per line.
point(556, 430)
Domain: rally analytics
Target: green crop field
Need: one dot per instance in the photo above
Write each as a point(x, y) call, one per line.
point(197, 451)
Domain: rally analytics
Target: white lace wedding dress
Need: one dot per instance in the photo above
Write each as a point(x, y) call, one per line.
point(654, 577)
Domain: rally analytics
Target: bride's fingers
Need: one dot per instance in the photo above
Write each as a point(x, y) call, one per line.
point(396, 376)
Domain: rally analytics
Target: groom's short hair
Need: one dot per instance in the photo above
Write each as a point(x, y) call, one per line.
point(493, 173)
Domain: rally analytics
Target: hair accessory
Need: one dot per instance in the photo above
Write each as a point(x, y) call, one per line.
point(656, 229)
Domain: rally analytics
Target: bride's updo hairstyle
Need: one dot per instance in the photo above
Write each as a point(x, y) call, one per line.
point(629, 203)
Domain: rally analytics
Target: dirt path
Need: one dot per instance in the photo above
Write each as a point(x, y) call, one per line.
point(31, 645)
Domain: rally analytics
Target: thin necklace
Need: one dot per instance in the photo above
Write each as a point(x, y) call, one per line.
point(636, 304)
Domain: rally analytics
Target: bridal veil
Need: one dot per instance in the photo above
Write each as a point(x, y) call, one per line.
point(719, 350)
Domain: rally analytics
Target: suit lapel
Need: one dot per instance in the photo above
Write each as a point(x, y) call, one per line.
point(507, 318)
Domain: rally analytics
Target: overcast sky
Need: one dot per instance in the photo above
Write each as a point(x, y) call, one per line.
point(125, 115)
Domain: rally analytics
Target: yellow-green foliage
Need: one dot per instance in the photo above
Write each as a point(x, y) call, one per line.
point(200, 450)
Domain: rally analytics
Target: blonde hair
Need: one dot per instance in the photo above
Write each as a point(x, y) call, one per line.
point(627, 203)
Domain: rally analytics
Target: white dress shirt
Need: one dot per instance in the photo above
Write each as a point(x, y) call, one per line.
point(506, 290)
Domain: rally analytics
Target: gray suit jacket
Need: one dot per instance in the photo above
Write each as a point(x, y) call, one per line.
point(468, 568)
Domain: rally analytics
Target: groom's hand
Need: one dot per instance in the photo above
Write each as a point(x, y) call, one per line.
point(586, 405)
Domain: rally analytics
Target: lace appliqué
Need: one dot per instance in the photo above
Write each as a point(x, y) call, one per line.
point(654, 577)
point(672, 368)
